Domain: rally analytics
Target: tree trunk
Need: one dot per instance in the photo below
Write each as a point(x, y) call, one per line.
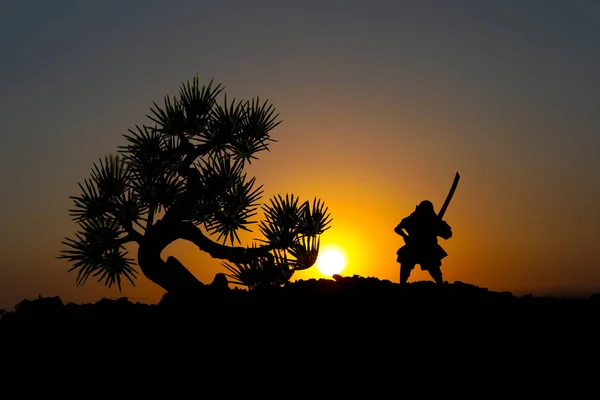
point(171, 275)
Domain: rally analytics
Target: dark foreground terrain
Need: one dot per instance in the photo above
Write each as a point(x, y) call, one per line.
point(354, 324)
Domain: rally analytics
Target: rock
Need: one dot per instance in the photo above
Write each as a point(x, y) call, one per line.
point(41, 305)
point(220, 282)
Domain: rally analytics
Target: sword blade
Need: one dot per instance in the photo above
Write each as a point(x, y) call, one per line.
point(450, 194)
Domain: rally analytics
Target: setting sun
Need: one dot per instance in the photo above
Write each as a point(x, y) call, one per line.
point(331, 261)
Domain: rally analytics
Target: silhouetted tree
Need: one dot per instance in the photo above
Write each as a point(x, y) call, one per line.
point(183, 178)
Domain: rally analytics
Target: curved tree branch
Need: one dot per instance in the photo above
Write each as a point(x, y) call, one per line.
point(234, 254)
point(132, 236)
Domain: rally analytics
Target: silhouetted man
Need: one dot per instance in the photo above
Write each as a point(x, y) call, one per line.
point(420, 231)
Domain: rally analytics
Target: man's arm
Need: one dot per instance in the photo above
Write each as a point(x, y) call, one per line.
point(445, 230)
point(399, 229)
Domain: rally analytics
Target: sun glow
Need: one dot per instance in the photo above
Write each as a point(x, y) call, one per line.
point(331, 261)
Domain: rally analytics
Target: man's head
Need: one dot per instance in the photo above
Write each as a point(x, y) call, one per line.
point(425, 207)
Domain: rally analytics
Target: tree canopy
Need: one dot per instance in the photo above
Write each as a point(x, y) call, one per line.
point(182, 177)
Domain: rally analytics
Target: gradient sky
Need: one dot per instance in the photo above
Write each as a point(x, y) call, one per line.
point(381, 102)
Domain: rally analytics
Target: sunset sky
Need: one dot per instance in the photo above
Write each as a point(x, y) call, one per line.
point(381, 102)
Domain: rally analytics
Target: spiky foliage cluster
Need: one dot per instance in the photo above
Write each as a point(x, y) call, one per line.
point(292, 229)
point(188, 164)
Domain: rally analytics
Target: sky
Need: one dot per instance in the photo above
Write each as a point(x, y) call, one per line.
point(381, 103)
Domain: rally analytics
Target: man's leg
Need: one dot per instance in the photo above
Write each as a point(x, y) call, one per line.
point(405, 270)
point(436, 273)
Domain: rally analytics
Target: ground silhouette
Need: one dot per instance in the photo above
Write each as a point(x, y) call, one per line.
point(340, 308)
point(322, 332)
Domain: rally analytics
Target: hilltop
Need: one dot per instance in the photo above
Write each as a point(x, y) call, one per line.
point(336, 305)
point(345, 325)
